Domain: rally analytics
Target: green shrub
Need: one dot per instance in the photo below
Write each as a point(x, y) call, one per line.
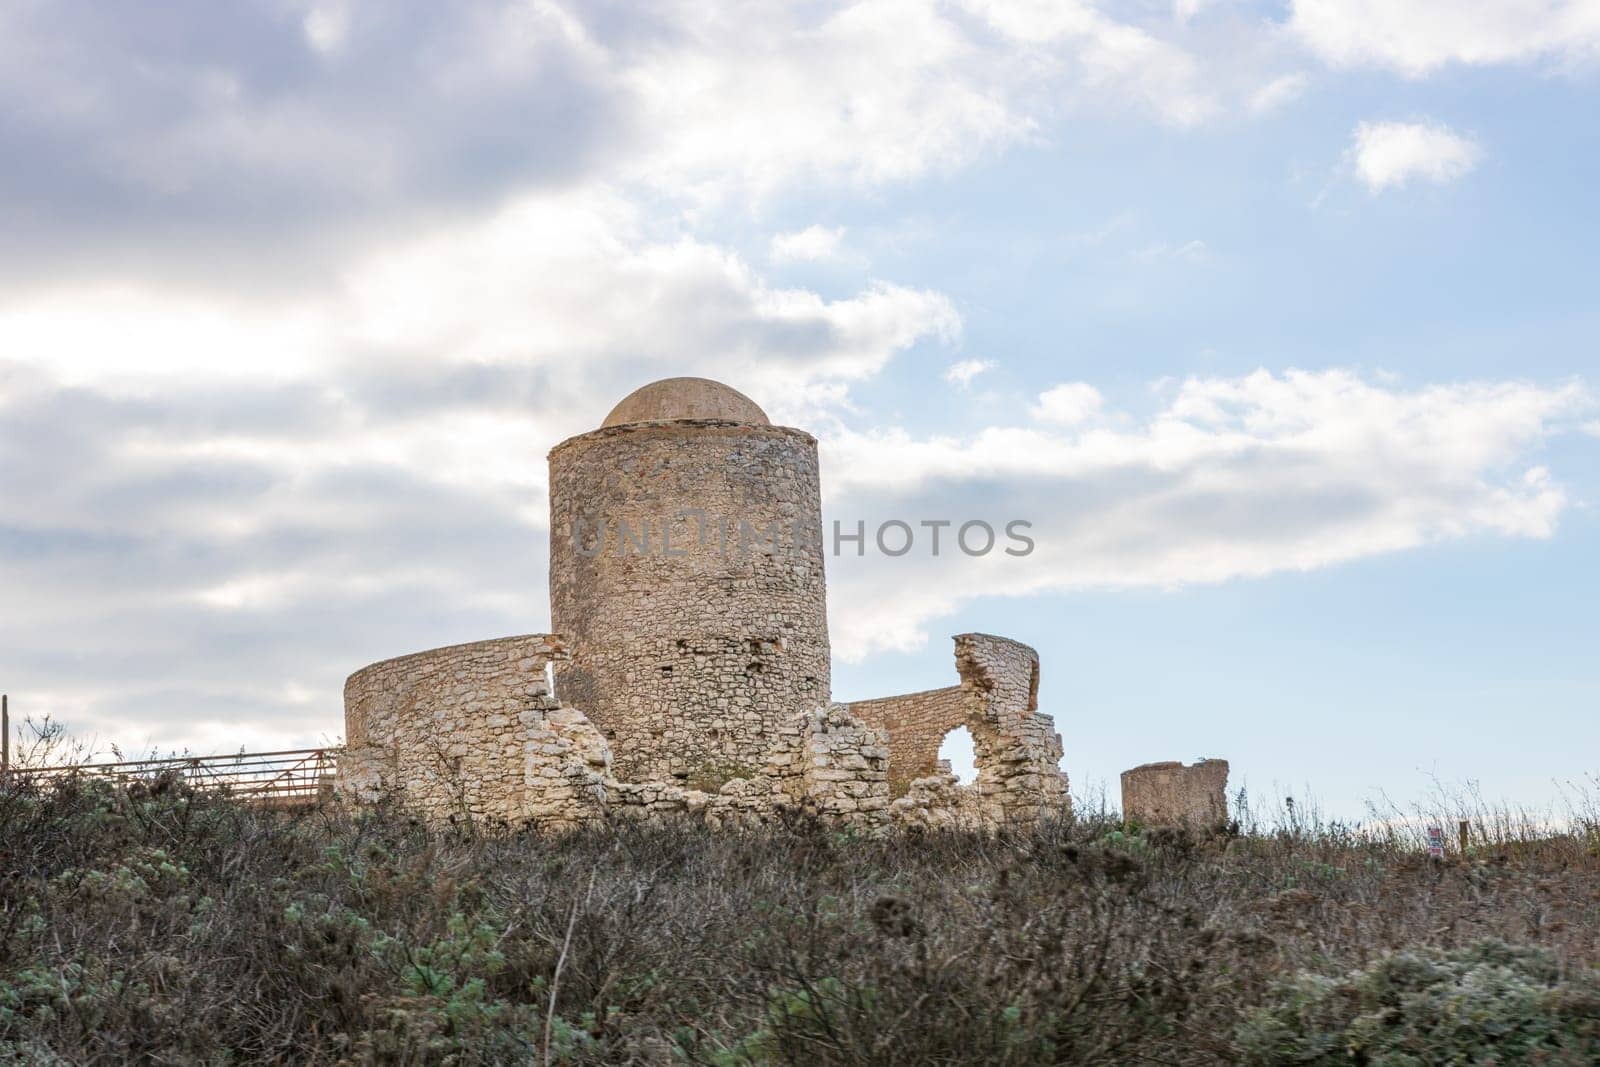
point(1491, 1003)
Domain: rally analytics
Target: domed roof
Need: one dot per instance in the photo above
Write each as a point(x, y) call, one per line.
point(672, 399)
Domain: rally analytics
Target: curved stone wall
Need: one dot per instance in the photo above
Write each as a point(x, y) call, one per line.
point(694, 634)
point(448, 728)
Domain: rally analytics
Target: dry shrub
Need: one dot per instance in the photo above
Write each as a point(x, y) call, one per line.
point(157, 925)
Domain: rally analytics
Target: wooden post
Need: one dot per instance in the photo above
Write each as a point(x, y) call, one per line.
point(5, 738)
point(1462, 830)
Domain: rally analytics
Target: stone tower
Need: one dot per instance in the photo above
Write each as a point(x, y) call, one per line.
point(686, 573)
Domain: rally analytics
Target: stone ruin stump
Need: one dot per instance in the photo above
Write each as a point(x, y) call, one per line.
point(1173, 794)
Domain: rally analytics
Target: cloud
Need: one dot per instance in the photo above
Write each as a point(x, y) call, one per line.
point(1068, 404)
point(808, 245)
point(1418, 38)
point(1229, 478)
point(320, 121)
point(1277, 93)
point(861, 94)
point(546, 281)
point(1189, 252)
point(327, 27)
point(1075, 48)
point(962, 373)
point(1390, 154)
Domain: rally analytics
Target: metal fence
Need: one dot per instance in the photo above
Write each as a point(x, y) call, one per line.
point(290, 779)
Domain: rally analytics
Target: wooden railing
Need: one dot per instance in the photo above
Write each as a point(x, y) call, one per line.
point(290, 779)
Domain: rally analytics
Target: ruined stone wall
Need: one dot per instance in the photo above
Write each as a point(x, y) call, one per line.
point(692, 649)
point(825, 762)
point(939, 802)
point(1170, 793)
point(917, 723)
point(566, 770)
point(835, 764)
point(449, 728)
point(473, 732)
point(1016, 748)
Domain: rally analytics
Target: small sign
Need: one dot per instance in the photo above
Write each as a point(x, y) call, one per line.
point(1436, 842)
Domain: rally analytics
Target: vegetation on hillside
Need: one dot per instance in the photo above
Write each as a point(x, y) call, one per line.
point(150, 924)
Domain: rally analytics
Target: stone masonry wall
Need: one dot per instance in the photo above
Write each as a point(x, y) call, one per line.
point(918, 724)
point(836, 765)
point(450, 728)
point(691, 649)
point(1170, 793)
point(824, 762)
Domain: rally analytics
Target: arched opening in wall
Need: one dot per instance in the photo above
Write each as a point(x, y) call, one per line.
point(957, 750)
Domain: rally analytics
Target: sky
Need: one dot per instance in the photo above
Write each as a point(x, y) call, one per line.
point(1276, 321)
